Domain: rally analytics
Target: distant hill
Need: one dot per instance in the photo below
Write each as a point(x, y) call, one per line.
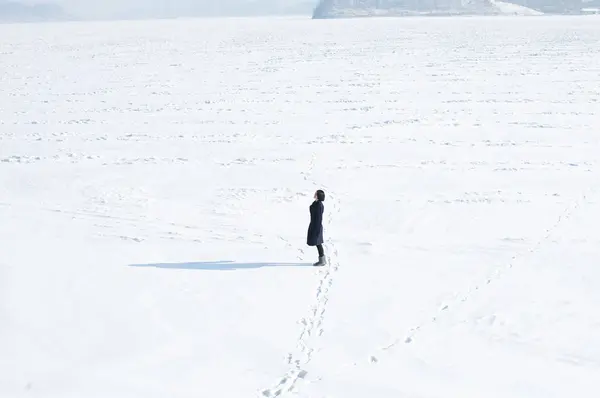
point(11, 11)
point(372, 8)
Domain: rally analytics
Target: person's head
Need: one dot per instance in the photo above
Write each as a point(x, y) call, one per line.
point(320, 195)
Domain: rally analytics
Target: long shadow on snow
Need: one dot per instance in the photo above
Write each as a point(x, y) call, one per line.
point(220, 265)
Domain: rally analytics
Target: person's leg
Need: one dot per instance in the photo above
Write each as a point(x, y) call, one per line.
point(321, 251)
point(321, 261)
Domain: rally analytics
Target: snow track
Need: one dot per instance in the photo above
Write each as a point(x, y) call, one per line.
point(498, 274)
point(520, 258)
point(312, 325)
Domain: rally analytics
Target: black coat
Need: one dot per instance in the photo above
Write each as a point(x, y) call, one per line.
point(315, 228)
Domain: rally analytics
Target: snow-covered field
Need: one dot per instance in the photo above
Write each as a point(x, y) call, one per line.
point(155, 179)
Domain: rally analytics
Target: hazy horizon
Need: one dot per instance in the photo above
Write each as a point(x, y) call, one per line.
point(174, 8)
point(149, 9)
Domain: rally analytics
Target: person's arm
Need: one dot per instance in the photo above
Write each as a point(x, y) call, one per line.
point(317, 209)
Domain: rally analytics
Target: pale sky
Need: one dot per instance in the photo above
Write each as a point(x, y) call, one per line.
point(119, 8)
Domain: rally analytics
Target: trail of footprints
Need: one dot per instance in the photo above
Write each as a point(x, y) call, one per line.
point(465, 296)
point(312, 325)
point(494, 276)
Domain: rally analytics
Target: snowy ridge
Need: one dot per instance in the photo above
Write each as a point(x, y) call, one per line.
point(487, 7)
point(505, 8)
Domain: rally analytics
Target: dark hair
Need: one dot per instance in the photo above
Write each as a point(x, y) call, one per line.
point(321, 195)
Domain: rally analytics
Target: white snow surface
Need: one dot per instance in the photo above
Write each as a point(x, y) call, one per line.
point(155, 179)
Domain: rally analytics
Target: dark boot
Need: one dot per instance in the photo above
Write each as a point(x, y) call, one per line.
point(322, 261)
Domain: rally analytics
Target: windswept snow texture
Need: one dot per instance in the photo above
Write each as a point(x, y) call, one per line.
point(155, 179)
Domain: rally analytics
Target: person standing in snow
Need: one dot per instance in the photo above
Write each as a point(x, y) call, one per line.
point(315, 228)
